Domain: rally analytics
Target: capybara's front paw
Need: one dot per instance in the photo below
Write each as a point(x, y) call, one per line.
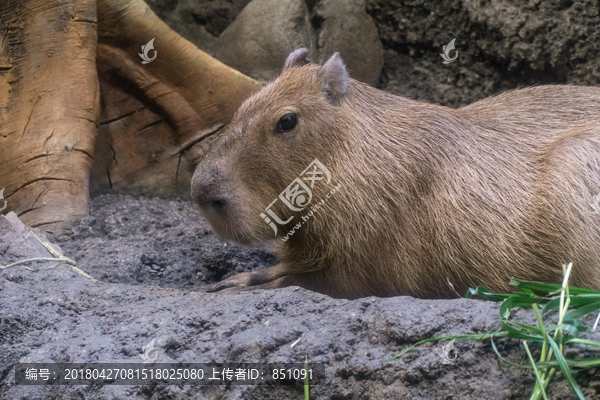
point(237, 281)
point(229, 290)
point(268, 278)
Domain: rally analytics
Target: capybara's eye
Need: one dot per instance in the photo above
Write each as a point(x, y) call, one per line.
point(287, 122)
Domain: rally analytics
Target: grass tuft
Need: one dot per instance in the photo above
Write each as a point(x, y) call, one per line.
point(572, 303)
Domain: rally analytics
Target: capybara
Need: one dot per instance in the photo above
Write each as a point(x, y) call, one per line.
point(366, 193)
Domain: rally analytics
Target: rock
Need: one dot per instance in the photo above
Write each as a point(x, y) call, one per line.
point(81, 230)
point(263, 35)
point(155, 267)
point(257, 39)
point(200, 22)
point(146, 260)
point(88, 221)
point(346, 28)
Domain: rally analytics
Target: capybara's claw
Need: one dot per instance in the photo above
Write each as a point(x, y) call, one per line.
point(221, 286)
point(223, 289)
point(264, 279)
point(236, 281)
point(217, 287)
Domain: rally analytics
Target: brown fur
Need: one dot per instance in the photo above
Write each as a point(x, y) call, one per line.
point(429, 195)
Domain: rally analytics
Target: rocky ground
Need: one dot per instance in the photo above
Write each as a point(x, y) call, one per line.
point(153, 259)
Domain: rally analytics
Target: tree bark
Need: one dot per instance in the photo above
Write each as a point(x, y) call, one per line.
point(156, 117)
point(49, 105)
point(76, 101)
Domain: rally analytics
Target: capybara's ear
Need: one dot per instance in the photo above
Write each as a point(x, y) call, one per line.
point(334, 78)
point(297, 58)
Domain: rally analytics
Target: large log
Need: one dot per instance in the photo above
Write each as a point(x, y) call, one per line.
point(141, 127)
point(49, 105)
point(156, 116)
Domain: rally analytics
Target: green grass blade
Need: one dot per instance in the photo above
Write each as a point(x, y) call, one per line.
point(306, 385)
point(518, 300)
point(564, 367)
point(575, 301)
point(465, 337)
point(536, 372)
point(582, 364)
point(504, 360)
point(548, 287)
point(572, 329)
point(483, 293)
point(525, 327)
point(585, 363)
point(582, 341)
point(583, 310)
point(517, 334)
point(551, 305)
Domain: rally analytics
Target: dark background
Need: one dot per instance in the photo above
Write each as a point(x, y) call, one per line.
point(501, 44)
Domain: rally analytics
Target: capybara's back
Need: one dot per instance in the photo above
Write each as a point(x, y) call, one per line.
point(505, 188)
point(428, 200)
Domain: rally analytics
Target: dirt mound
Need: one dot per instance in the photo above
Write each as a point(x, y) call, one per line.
point(155, 257)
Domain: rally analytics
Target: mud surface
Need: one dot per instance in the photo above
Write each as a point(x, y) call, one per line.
point(157, 242)
point(501, 45)
point(154, 259)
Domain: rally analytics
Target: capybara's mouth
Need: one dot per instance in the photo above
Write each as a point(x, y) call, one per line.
point(229, 228)
point(228, 207)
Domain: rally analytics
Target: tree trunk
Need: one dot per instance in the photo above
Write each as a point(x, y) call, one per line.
point(76, 101)
point(49, 105)
point(156, 116)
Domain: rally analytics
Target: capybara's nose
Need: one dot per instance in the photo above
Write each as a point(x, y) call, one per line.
point(207, 190)
point(207, 199)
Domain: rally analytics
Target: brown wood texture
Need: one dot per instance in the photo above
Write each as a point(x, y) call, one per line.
point(49, 105)
point(79, 110)
point(155, 116)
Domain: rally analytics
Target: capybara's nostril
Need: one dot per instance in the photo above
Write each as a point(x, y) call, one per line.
point(207, 193)
point(218, 204)
point(207, 188)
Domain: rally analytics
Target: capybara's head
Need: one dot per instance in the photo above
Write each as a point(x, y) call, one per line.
point(272, 138)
